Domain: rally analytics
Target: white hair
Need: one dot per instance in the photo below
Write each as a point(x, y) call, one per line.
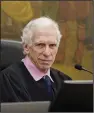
point(28, 31)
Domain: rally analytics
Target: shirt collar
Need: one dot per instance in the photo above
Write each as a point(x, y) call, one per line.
point(33, 70)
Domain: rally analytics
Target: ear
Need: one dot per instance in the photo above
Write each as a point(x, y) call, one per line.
point(25, 49)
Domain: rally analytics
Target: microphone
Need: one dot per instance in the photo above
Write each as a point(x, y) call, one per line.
point(79, 67)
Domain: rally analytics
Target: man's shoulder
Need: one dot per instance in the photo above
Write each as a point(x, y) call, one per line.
point(60, 74)
point(11, 69)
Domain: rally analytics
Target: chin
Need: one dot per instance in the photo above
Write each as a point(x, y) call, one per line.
point(45, 68)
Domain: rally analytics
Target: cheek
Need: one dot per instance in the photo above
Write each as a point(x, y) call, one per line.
point(54, 53)
point(53, 57)
point(33, 54)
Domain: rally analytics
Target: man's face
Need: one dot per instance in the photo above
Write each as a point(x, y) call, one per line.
point(43, 50)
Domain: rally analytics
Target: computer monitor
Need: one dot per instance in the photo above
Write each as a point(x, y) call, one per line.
point(74, 96)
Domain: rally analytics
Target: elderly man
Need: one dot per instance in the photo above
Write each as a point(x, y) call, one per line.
point(33, 79)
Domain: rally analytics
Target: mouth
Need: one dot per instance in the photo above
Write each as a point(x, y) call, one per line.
point(45, 61)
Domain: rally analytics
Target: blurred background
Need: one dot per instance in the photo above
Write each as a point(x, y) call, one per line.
point(76, 21)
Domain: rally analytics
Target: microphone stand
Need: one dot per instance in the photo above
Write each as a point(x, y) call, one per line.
point(87, 70)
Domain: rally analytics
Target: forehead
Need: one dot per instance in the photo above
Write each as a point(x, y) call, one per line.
point(46, 34)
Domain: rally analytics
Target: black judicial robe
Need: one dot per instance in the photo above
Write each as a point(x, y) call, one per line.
point(17, 85)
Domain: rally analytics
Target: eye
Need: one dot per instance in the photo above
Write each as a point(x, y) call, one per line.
point(52, 45)
point(40, 45)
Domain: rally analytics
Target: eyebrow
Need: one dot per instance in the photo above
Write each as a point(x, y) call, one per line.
point(44, 42)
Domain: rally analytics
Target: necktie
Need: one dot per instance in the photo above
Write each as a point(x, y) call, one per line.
point(48, 85)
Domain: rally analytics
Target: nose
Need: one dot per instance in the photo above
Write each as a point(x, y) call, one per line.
point(47, 51)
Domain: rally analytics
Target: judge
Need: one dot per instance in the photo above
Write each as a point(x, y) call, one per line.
point(32, 78)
